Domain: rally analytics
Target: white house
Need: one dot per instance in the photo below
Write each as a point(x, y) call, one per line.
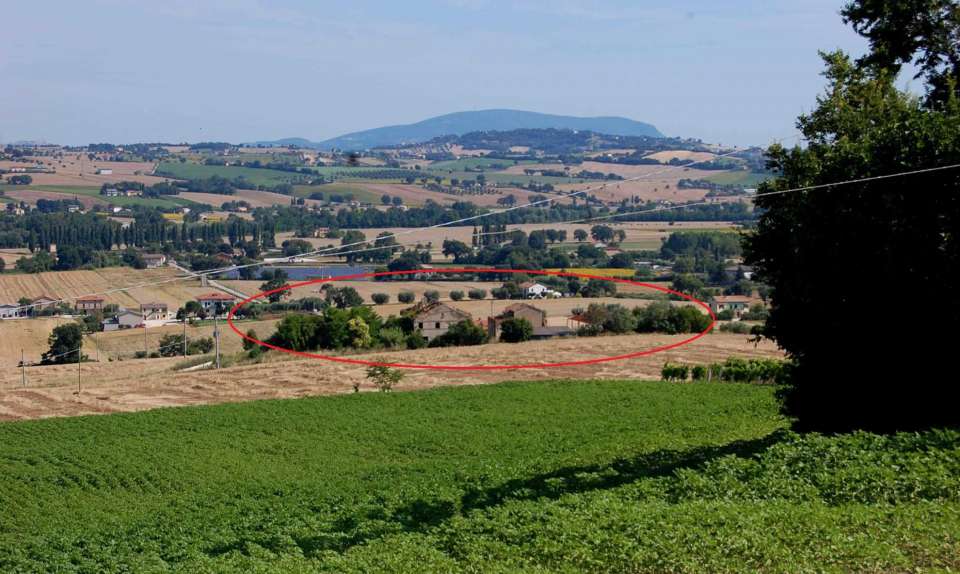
point(154, 311)
point(104, 172)
point(211, 301)
point(533, 290)
point(9, 311)
point(154, 260)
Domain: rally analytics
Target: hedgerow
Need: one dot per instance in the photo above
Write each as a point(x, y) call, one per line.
point(732, 370)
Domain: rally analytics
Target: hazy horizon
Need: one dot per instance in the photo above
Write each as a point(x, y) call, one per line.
point(76, 73)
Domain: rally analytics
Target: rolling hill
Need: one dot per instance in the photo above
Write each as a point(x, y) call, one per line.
point(460, 123)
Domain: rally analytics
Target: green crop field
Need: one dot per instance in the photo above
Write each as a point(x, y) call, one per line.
point(69, 191)
point(564, 476)
point(744, 178)
point(359, 193)
point(258, 176)
point(478, 163)
point(255, 176)
point(163, 201)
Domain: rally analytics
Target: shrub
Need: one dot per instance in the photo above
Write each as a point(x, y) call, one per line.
point(415, 340)
point(248, 344)
point(698, 373)
point(477, 294)
point(406, 297)
point(463, 333)
point(380, 298)
point(384, 378)
point(662, 317)
point(725, 315)
point(677, 373)
point(500, 293)
point(392, 337)
point(515, 330)
point(431, 296)
point(456, 295)
point(735, 327)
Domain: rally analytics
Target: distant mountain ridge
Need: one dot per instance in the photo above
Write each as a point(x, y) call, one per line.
point(460, 123)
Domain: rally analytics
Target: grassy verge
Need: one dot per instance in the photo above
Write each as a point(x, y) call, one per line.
point(560, 476)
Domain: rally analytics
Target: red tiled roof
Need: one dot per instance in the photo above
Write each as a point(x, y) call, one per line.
point(91, 298)
point(733, 299)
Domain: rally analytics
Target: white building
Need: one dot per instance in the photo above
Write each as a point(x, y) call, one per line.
point(10, 311)
point(211, 301)
point(154, 260)
point(532, 290)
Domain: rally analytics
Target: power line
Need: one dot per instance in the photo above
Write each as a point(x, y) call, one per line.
point(686, 205)
point(337, 250)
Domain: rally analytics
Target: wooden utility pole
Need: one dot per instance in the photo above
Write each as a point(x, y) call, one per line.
point(23, 369)
point(216, 333)
point(145, 354)
point(184, 335)
point(79, 355)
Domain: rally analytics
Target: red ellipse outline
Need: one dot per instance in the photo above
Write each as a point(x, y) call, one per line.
point(713, 321)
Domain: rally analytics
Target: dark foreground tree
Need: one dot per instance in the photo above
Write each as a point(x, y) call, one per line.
point(865, 359)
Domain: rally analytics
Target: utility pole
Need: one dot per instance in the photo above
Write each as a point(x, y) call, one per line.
point(184, 334)
point(216, 332)
point(23, 369)
point(79, 354)
point(145, 340)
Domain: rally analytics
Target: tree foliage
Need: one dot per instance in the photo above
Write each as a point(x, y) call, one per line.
point(829, 254)
point(515, 330)
point(65, 343)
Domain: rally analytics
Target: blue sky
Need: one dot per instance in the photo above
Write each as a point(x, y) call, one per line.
point(736, 72)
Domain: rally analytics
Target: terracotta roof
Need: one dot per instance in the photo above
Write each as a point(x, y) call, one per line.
point(91, 298)
point(153, 306)
point(216, 297)
point(733, 299)
point(518, 306)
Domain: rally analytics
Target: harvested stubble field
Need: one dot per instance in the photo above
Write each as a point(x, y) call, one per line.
point(254, 197)
point(640, 234)
point(668, 155)
point(555, 308)
point(123, 343)
point(57, 284)
point(143, 384)
point(10, 256)
point(71, 170)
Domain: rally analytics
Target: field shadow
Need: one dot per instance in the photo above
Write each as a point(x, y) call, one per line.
point(422, 514)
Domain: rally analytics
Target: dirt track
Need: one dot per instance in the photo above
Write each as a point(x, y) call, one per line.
point(146, 384)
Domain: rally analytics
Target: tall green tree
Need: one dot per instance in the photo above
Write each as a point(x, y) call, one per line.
point(65, 342)
point(865, 359)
